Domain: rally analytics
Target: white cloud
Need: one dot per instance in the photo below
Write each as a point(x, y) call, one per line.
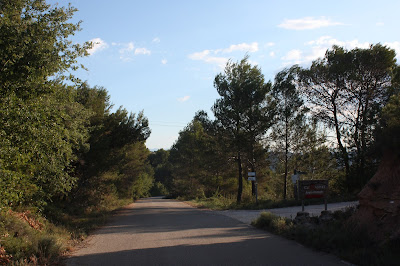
point(144, 51)
point(164, 61)
point(395, 46)
point(272, 54)
point(307, 23)
point(129, 50)
point(98, 45)
point(380, 24)
point(207, 56)
point(156, 40)
point(316, 49)
point(183, 99)
point(125, 53)
point(293, 55)
point(253, 63)
point(328, 42)
point(245, 47)
point(211, 56)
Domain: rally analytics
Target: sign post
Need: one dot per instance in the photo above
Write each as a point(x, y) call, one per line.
point(253, 179)
point(311, 189)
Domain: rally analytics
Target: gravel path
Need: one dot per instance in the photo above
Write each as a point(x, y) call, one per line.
point(247, 216)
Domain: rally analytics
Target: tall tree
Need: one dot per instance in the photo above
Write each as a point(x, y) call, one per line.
point(373, 71)
point(243, 113)
point(290, 115)
point(347, 90)
point(323, 85)
point(110, 135)
point(189, 160)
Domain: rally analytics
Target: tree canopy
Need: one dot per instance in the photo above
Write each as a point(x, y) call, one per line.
point(243, 112)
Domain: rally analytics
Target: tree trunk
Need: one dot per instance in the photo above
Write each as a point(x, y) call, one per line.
point(361, 172)
point(286, 156)
point(343, 152)
point(253, 169)
point(240, 187)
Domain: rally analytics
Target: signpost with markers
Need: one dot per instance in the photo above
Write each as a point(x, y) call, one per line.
point(253, 179)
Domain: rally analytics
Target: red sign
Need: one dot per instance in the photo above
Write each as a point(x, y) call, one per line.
point(309, 189)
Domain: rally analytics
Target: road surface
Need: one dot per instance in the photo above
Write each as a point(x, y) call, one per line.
point(157, 231)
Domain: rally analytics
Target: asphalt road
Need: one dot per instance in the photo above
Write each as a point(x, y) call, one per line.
point(158, 231)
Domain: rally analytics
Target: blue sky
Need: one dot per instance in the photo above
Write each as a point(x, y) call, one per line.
point(162, 56)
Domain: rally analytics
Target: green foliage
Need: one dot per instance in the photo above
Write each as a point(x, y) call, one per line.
point(15, 188)
point(348, 90)
point(142, 185)
point(40, 143)
point(159, 189)
point(159, 160)
point(244, 112)
point(35, 45)
point(115, 167)
point(289, 127)
point(199, 165)
point(42, 129)
point(388, 133)
point(62, 150)
point(187, 156)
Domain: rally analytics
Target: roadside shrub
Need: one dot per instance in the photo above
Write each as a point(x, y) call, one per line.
point(265, 220)
point(47, 250)
point(274, 223)
point(159, 189)
point(340, 236)
point(29, 239)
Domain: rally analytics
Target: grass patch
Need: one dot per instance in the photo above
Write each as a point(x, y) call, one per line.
point(340, 236)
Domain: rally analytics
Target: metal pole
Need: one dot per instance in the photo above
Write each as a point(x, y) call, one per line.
point(302, 205)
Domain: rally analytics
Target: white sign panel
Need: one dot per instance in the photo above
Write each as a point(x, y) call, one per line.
point(252, 178)
point(251, 173)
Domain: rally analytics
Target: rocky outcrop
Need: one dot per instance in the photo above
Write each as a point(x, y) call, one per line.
point(379, 209)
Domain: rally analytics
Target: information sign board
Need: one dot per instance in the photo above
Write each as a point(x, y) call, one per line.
point(309, 189)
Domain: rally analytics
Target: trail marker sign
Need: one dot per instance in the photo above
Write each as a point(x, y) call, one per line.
point(251, 176)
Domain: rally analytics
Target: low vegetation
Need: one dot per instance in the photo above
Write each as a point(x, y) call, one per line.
point(29, 237)
point(338, 234)
point(249, 203)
